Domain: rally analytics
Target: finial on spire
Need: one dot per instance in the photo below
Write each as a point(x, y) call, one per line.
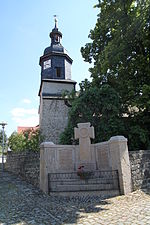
point(56, 21)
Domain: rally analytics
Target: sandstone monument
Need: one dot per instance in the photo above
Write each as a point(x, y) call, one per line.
point(108, 161)
point(84, 132)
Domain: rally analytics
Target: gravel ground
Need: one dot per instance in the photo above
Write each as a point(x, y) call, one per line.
point(22, 204)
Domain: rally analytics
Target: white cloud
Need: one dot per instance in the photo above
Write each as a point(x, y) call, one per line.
point(27, 122)
point(26, 101)
point(21, 112)
point(25, 117)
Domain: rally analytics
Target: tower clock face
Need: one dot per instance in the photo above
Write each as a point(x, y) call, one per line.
point(47, 64)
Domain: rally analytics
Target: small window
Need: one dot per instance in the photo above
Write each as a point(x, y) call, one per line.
point(58, 72)
point(56, 38)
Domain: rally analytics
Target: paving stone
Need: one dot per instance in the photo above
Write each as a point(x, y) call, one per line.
point(23, 204)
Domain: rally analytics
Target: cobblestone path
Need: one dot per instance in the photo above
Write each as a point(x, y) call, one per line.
point(22, 204)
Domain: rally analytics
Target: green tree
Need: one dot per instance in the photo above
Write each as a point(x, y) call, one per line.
point(33, 139)
point(16, 142)
point(27, 141)
point(1, 139)
point(120, 47)
point(100, 107)
point(120, 51)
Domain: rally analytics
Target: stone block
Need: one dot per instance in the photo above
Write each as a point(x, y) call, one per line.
point(120, 161)
point(102, 156)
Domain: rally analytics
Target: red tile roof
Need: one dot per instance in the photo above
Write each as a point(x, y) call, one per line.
point(22, 129)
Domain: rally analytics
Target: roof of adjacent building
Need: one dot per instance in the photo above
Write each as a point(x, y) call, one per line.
point(22, 129)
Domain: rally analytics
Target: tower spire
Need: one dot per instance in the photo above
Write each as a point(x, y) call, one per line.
point(55, 35)
point(56, 21)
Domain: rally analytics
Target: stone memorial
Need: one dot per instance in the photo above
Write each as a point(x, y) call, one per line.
point(110, 157)
point(84, 133)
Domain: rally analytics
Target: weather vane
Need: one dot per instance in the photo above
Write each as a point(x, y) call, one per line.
point(56, 20)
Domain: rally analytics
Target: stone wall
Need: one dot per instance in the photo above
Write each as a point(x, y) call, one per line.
point(26, 165)
point(140, 168)
point(53, 112)
point(53, 118)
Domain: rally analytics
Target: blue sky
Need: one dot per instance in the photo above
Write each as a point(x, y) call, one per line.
point(25, 27)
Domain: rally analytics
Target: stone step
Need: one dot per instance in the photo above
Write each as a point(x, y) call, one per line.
point(83, 181)
point(74, 176)
point(80, 178)
point(82, 187)
point(71, 182)
point(81, 194)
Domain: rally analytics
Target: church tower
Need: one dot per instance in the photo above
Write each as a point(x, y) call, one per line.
point(55, 79)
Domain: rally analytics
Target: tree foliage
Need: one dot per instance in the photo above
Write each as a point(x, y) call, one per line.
point(120, 53)
point(120, 50)
point(100, 107)
point(29, 140)
point(1, 139)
